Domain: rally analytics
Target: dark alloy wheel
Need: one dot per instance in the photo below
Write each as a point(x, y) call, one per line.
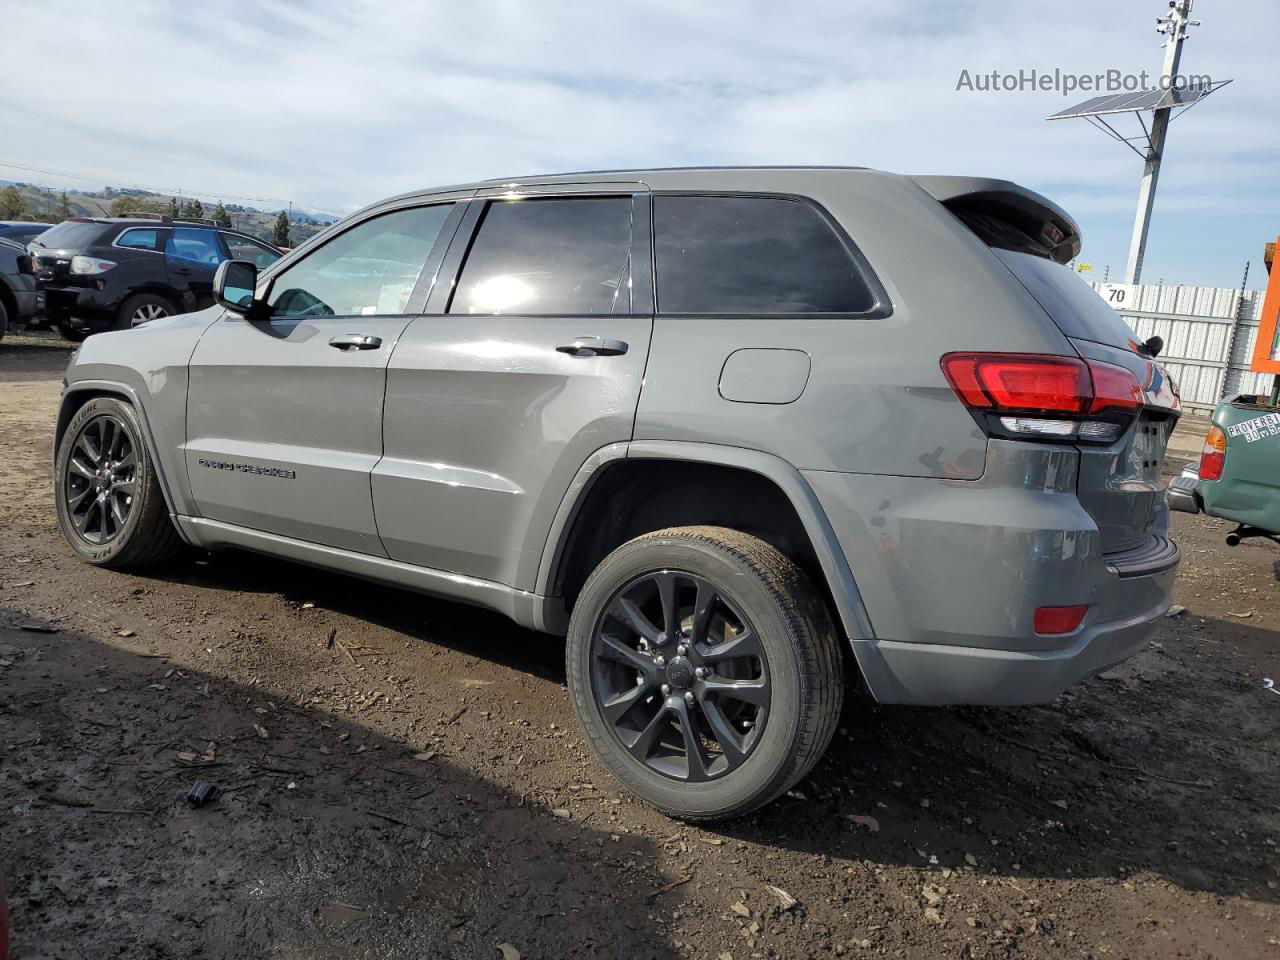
point(705, 670)
point(101, 478)
point(681, 676)
point(110, 504)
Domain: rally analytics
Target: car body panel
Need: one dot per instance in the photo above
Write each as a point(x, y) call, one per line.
point(937, 544)
point(1248, 491)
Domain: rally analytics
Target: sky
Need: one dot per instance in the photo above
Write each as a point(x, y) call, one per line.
point(338, 105)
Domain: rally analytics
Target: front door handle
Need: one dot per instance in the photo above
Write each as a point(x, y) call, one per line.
point(356, 341)
point(593, 347)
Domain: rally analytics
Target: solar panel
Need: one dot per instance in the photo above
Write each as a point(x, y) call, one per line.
point(1139, 101)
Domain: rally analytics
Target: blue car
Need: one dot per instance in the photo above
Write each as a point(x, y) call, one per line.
point(21, 231)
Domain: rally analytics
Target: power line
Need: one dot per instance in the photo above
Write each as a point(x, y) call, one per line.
point(209, 195)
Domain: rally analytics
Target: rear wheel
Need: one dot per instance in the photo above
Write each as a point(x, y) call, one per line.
point(4, 320)
point(110, 506)
point(141, 308)
point(705, 670)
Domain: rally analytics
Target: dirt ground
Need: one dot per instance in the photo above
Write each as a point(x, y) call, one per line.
point(404, 779)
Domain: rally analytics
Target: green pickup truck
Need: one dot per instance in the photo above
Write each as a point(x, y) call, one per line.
point(1238, 476)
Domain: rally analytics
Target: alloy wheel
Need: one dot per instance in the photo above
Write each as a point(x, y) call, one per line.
point(101, 479)
point(148, 311)
point(680, 676)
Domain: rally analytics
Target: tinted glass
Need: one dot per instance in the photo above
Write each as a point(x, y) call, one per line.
point(370, 270)
point(242, 248)
point(1074, 305)
point(752, 255)
point(548, 257)
point(194, 245)
point(69, 235)
point(139, 239)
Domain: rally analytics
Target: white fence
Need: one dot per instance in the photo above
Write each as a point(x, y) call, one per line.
point(1208, 332)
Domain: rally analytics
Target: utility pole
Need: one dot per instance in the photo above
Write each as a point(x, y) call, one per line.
point(1174, 27)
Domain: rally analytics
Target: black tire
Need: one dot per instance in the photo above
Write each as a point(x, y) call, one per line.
point(143, 306)
point(145, 535)
point(68, 332)
point(4, 320)
point(758, 593)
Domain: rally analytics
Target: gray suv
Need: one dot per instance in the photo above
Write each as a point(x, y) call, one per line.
point(729, 431)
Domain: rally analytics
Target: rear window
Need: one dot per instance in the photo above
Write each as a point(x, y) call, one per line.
point(747, 256)
point(69, 235)
point(1070, 302)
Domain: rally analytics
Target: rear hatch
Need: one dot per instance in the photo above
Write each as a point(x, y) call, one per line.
point(52, 251)
point(1119, 482)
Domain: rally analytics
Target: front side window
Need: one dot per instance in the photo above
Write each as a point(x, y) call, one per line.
point(548, 257)
point(242, 248)
point(369, 270)
point(139, 239)
point(750, 256)
point(194, 246)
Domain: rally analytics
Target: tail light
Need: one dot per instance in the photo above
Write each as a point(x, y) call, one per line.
point(1213, 455)
point(1058, 620)
point(88, 266)
point(1036, 396)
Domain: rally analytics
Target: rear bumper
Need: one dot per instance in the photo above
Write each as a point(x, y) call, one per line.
point(79, 306)
point(1183, 495)
point(936, 675)
point(952, 572)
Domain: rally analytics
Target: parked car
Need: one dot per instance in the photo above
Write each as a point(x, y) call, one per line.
point(114, 273)
point(20, 231)
point(17, 285)
point(1236, 477)
point(723, 429)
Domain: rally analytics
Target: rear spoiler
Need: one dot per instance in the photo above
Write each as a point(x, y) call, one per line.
point(1036, 216)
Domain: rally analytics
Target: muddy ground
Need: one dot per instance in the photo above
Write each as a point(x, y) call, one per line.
point(404, 779)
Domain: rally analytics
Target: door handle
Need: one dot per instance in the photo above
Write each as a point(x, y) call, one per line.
point(356, 341)
point(593, 347)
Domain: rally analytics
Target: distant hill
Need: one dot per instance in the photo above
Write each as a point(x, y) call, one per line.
point(41, 205)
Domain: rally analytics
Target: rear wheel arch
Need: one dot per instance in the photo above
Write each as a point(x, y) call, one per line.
point(651, 485)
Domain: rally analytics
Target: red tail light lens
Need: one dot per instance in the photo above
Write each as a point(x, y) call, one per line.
point(1059, 620)
point(1213, 455)
point(1060, 391)
point(1010, 381)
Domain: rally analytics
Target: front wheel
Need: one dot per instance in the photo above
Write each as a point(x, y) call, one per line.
point(705, 670)
point(142, 308)
point(106, 490)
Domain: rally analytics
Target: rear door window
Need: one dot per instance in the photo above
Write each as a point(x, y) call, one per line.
point(549, 256)
point(745, 255)
point(194, 245)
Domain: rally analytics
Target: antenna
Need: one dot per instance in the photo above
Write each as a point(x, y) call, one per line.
point(1171, 95)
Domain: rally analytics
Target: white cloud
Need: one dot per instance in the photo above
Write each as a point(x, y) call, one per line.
point(339, 105)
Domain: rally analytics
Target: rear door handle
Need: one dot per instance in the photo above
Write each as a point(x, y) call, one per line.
point(356, 341)
point(594, 347)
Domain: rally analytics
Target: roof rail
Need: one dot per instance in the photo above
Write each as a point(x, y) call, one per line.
point(145, 215)
point(206, 220)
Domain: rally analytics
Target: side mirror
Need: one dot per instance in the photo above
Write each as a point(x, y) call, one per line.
point(234, 285)
point(1153, 346)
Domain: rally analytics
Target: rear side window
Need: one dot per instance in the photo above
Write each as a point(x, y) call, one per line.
point(195, 245)
point(69, 235)
point(148, 239)
point(552, 256)
point(1070, 302)
point(752, 256)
